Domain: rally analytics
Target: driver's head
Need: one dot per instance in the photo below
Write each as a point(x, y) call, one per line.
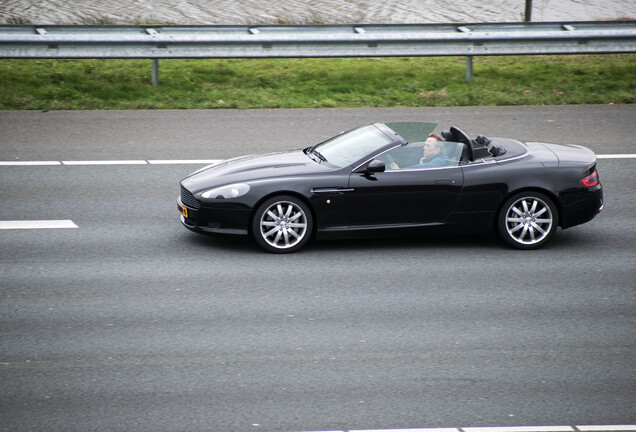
point(432, 146)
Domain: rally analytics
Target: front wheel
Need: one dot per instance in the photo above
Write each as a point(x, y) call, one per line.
point(528, 220)
point(282, 224)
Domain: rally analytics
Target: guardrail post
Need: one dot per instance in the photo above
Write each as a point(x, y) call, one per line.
point(469, 69)
point(155, 72)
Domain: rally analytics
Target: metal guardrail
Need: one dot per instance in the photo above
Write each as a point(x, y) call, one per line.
point(280, 41)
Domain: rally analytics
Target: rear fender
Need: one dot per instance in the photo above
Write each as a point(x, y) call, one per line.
point(546, 192)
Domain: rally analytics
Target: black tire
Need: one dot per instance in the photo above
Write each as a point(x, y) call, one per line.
point(528, 220)
point(282, 224)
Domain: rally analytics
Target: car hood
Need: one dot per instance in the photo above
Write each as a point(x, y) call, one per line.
point(253, 168)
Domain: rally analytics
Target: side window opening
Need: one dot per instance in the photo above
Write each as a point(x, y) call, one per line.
point(411, 156)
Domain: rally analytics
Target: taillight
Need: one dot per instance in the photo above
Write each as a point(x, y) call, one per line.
point(591, 180)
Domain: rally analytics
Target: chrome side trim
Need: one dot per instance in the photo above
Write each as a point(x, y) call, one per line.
point(330, 190)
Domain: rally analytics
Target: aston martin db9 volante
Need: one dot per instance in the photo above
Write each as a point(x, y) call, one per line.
point(397, 178)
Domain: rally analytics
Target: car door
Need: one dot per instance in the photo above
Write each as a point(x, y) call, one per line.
point(403, 197)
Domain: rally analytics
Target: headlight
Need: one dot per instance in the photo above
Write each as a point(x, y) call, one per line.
point(229, 191)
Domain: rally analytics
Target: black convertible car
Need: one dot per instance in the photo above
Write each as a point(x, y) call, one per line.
point(398, 177)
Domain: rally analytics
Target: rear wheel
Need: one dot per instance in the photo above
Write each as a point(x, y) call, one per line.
point(528, 220)
point(282, 224)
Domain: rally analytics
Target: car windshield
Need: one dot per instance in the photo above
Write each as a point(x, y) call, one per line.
point(349, 147)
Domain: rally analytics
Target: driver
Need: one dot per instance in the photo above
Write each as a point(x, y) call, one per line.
point(431, 156)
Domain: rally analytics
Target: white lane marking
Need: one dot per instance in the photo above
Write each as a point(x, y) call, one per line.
point(114, 162)
point(607, 428)
point(616, 156)
point(111, 162)
point(29, 163)
point(520, 429)
point(37, 224)
point(184, 161)
point(408, 430)
point(610, 428)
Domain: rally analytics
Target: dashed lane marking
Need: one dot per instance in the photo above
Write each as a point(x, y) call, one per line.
point(588, 428)
point(409, 430)
point(184, 161)
point(108, 162)
point(29, 163)
point(37, 224)
point(622, 428)
point(112, 162)
point(617, 156)
point(520, 429)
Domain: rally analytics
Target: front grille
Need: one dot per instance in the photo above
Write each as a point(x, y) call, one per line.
point(188, 199)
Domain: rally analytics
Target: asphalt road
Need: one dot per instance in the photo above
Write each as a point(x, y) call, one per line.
point(131, 323)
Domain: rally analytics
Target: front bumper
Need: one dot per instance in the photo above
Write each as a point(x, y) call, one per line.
point(222, 219)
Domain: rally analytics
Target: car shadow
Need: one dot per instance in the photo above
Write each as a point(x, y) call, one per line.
point(441, 240)
point(224, 243)
point(242, 244)
point(421, 241)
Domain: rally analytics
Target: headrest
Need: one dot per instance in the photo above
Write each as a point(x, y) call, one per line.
point(447, 135)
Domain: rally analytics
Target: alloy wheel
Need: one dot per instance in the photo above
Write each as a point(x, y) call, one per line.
point(284, 225)
point(529, 221)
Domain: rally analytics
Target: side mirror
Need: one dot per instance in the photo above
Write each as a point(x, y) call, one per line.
point(376, 166)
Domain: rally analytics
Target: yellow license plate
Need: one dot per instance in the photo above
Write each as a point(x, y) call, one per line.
point(182, 210)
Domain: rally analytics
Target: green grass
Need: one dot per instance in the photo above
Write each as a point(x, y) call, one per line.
point(303, 83)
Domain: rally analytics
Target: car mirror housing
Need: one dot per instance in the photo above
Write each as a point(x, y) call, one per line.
point(376, 166)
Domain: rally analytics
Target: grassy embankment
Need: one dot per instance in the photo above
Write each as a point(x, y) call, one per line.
point(302, 83)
